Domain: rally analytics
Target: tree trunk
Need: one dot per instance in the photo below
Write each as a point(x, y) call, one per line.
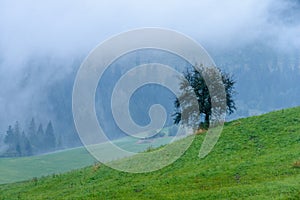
point(206, 121)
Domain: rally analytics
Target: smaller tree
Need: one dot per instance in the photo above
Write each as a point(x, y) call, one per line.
point(10, 137)
point(32, 135)
point(40, 135)
point(10, 141)
point(25, 145)
point(17, 136)
point(50, 140)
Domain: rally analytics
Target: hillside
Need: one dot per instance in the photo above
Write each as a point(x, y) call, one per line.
point(255, 158)
point(24, 168)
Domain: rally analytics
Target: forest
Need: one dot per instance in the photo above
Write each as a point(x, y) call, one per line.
point(31, 141)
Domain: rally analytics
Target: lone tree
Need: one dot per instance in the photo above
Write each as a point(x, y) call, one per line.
point(195, 85)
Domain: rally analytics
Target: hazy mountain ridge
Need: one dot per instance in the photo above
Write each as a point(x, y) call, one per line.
point(266, 80)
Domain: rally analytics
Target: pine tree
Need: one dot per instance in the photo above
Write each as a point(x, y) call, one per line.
point(9, 138)
point(28, 148)
point(17, 136)
point(32, 136)
point(40, 139)
point(10, 141)
point(50, 140)
point(25, 145)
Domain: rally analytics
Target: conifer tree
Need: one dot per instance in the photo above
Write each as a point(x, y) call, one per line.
point(50, 140)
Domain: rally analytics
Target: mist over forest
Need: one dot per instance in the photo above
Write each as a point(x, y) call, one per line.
point(43, 44)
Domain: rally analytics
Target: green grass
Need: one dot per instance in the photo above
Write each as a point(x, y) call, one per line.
point(20, 169)
point(255, 158)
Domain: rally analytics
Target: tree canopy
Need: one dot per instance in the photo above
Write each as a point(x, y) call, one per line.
point(204, 84)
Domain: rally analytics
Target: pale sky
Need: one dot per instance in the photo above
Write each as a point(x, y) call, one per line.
point(68, 27)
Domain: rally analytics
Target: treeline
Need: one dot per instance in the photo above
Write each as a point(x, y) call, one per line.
point(35, 140)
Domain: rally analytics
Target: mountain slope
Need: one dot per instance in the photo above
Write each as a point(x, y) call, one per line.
point(24, 168)
point(255, 158)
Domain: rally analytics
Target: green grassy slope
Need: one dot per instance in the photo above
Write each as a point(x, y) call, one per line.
point(253, 159)
point(20, 169)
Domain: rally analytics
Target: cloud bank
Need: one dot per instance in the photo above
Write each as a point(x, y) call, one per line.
point(60, 32)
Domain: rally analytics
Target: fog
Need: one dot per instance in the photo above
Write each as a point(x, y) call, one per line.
point(63, 32)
